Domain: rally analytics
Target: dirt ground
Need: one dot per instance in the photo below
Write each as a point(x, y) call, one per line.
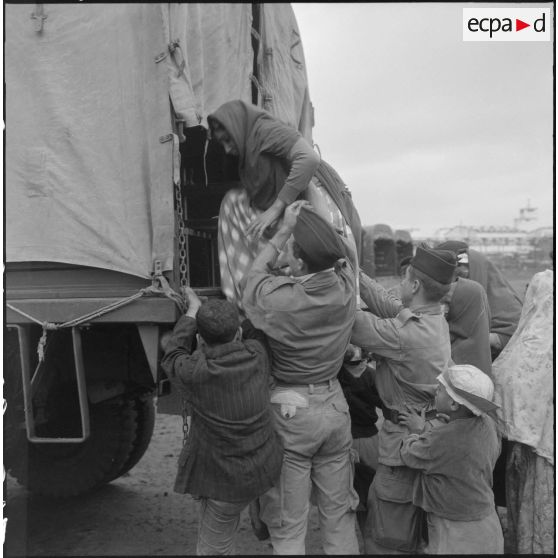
point(135, 515)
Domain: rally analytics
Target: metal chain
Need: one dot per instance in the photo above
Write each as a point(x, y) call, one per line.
point(182, 239)
point(183, 278)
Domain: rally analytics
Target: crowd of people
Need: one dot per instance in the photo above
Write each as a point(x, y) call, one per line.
point(311, 384)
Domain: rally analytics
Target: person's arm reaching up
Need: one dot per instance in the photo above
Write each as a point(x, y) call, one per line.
point(303, 162)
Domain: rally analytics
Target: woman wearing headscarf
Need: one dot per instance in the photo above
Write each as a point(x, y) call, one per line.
point(504, 302)
point(276, 166)
point(523, 377)
point(468, 316)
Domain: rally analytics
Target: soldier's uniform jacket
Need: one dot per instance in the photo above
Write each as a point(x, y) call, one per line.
point(412, 347)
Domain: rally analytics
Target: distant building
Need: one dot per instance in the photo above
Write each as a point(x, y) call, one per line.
point(507, 244)
point(514, 247)
point(489, 240)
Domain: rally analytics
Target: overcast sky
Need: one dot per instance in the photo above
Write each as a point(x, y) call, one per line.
point(427, 130)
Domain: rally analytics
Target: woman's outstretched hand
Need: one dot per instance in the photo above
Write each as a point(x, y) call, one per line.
point(258, 226)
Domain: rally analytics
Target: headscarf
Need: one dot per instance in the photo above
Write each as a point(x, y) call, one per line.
point(524, 371)
point(456, 246)
point(469, 323)
point(264, 143)
point(504, 302)
point(318, 239)
point(260, 139)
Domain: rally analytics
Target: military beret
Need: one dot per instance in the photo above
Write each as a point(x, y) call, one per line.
point(405, 262)
point(317, 238)
point(437, 264)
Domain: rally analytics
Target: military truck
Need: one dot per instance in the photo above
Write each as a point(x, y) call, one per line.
point(382, 251)
point(112, 191)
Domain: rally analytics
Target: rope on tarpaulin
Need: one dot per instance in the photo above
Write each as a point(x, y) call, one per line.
point(163, 288)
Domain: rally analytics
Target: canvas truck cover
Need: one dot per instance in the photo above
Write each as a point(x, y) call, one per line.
point(213, 59)
point(88, 180)
point(90, 155)
point(216, 50)
point(283, 69)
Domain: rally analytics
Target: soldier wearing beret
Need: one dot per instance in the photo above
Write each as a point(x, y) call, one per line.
point(411, 345)
point(468, 314)
point(308, 318)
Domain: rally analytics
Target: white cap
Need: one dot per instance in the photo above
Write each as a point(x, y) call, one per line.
point(469, 386)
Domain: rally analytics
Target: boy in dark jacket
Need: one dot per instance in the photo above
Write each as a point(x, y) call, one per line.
point(232, 454)
point(357, 381)
point(455, 461)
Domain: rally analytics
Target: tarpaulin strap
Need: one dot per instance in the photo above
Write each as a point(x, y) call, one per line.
point(264, 95)
point(180, 125)
point(173, 47)
point(256, 35)
point(205, 147)
point(160, 57)
point(38, 17)
point(170, 293)
point(258, 85)
point(176, 160)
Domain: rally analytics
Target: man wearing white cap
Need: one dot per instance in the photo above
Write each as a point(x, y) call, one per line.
point(455, 461)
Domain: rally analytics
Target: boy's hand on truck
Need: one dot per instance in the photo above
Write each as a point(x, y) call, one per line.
point(192, 300)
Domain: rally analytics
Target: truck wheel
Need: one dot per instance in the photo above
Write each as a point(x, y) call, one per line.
point(63, 470)
point(144, 407)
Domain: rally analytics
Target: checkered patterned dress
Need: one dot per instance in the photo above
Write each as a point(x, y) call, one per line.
point(237, 250)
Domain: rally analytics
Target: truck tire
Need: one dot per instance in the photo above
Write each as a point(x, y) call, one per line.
point(64, 470)
point(144, 407)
